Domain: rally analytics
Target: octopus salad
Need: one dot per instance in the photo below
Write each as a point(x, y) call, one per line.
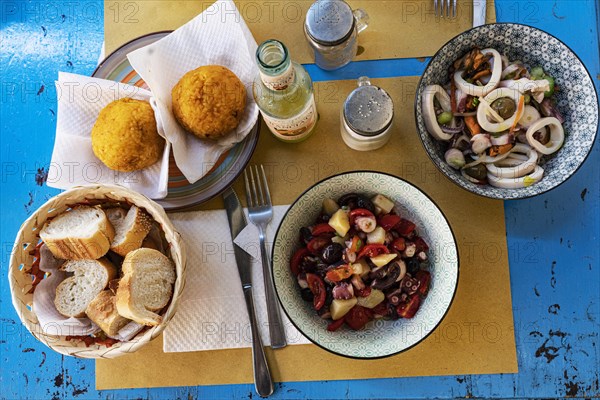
point(498, 118)
point(360, 261)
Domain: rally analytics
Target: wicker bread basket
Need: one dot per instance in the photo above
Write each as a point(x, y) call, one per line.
point(21, 260)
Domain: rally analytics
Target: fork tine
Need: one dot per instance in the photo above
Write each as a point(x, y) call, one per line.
point(265, 186)
point(448, 8)
point(435, 7)
point(253, 188)
point(259, 185)
point(454, 9)
point(247, 186)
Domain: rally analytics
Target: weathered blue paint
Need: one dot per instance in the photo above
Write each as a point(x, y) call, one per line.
point(552, 239)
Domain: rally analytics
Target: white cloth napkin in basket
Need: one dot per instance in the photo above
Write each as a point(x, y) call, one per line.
point(212, 313)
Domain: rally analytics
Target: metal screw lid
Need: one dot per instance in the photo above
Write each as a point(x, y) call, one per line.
point(368, 110)
point(329, 22)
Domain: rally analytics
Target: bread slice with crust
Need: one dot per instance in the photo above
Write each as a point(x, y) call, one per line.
point(146, 285)
point(75, 293)
point(103, 311)
point(131, 227)
point(83, 233)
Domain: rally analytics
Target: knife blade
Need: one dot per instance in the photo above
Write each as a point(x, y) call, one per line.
point(237, 221)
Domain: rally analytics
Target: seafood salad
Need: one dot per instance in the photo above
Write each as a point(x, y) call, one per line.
point(361, 261)
point(498, 117)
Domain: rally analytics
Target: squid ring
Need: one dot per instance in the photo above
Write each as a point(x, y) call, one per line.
point(431, 92)
point(557, 135)
point(516, 183)
point(482, 110)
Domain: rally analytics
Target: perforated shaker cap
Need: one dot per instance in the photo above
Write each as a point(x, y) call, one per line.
point(368, 110)
point(329, 22)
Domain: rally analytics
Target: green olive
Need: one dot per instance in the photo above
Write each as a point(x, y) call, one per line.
point(444, 118)
point(478, 172)
point(505, 107)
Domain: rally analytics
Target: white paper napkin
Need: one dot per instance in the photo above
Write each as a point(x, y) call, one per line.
point(212, 312)
point(218, 36)
point(80, 100)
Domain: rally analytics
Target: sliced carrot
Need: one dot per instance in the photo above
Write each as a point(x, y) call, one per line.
point(496, 150)
point(472, 125)
point(519, 113)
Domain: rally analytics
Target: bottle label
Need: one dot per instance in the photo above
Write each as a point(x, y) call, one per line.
point(281, 81)
point(299, 124)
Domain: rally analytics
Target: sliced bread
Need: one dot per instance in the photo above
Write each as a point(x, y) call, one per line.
point(75, 293)
point(131, 227)
point(103, 311)
point(83, 233)
point(146, 285)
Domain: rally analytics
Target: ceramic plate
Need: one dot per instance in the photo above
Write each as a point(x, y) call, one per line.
point(379, 338)
point(181, 194)
point(576, 99)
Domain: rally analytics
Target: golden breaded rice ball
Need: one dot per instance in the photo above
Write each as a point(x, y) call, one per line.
point(125, 137)
point(209, 101)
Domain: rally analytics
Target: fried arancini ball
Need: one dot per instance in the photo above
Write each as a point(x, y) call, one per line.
point(209, 101)
point(125, 137)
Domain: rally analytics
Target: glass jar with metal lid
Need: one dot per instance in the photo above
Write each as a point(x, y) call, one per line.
point(366, 117)
point(332, 29)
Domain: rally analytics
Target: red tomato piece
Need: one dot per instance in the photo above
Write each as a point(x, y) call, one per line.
point(297, 259)
point(399, 244)
point(358, 317)
point(322, 229)
point(316, 244)
point(424, 278)
point(410, 307)
point(405, 227)
point(335, 325)
point(381, 309)
point(339, 273)
point(317, 287)
point(359, 212)
point(364, 292)
point(421, 245)
point(372, 250)
point(389, 221)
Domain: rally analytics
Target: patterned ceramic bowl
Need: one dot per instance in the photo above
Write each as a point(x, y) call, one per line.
point(577, 100)
point(379, 338)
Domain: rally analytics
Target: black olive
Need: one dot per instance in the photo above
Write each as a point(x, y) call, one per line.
point(365, 203)
point(309, 264)
point(307, 295)
point(332, 253)
point(412, 265)
point(323, 218)
point(305, 235)
point(328, 297)
point(348, 200)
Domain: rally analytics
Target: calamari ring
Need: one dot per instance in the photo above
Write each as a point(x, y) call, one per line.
point(431, 92)
point(557, 135)
point(479, 91)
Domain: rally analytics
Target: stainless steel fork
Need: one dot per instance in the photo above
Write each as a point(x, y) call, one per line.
point(447, 6)
point(260, 211)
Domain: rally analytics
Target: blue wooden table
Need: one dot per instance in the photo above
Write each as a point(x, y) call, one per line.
point(553, 239)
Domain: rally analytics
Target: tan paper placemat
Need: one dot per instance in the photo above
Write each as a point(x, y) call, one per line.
point(397, 28)
point(477, 335)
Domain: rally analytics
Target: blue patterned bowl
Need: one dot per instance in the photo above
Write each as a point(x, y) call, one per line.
point(379, 338)
point(577, 100)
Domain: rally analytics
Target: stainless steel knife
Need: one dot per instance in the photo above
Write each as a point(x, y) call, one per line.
point(237, 221)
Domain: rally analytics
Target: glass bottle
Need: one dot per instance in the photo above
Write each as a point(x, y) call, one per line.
point(283, 92)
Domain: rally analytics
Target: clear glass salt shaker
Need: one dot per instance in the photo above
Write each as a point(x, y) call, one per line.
point(366, 117)
point(331, 28)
